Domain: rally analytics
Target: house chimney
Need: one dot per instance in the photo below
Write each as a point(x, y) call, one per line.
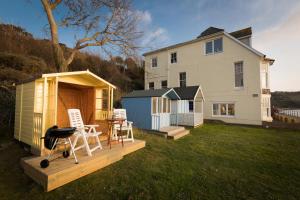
point(243, 35)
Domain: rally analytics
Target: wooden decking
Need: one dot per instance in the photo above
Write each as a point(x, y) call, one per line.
point(174, 132)
point(64, 170)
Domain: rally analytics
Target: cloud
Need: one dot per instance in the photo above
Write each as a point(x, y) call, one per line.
point(144, 17)
point(153, 36)
point(281, 42)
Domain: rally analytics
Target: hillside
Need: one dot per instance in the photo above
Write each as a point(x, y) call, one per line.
point(22, 56)
point(286, 99)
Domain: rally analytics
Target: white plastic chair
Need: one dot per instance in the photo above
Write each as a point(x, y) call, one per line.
point(126, 126)
point(83, 131)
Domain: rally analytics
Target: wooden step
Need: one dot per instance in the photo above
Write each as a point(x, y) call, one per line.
point(170, 130)
point(178, 135)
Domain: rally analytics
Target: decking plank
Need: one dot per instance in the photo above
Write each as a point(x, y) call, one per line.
point(64, 170)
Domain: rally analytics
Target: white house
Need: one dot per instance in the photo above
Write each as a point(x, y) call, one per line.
point(234, 76)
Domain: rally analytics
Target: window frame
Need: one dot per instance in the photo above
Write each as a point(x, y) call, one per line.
point(182, 80)
point(215, 52)
point(154, 58)
point(227, 115)
point(193, 110)
point(175, 52)
point(104, 101)
point(235, 75)
point(156, 108)
point(213, 46)
point(161, 83)
point(151, 87)
point(163, 105)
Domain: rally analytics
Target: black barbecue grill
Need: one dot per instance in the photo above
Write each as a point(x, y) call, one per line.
point(58, 136)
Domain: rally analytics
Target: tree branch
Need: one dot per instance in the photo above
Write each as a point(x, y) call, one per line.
point(54, 4)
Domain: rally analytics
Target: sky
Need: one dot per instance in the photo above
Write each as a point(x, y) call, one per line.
point(275, 25)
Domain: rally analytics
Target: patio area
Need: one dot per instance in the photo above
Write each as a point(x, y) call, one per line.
point(64, 170)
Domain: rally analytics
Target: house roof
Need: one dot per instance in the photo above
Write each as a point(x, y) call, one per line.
point(147, 93)
point(187, 93)
point(209, 31)
point(212, 32)
point(242, 33)
point(83, 74)
point(183, 93)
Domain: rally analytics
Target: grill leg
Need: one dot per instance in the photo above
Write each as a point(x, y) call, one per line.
point(72, 150)
point(51, 150)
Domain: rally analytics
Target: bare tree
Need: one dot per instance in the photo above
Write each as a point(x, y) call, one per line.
point(109, 24)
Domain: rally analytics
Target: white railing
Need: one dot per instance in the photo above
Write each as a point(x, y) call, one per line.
point(289, 112)
point(155, 122)
point(160, 120)
point(102, 114)
point(37, 130)
point(186, 119)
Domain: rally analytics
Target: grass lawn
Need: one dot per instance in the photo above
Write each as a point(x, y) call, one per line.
point(213, 162)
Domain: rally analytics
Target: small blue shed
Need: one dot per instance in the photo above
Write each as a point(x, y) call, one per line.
point(149, 109)
point(159, 108)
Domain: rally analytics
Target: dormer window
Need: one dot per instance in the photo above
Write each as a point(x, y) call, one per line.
point(154, 62)
point(218, 45)
point(214, 46)
point(209, 47)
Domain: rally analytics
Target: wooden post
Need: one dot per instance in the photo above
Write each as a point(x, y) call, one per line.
point(112, 99)
point(108, 100)
point(43, 112)
point(21, 109)
point(55, 100)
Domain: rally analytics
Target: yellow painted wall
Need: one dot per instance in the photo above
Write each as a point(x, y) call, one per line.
point(24, 112)
point(18, 112)
point(215, 73)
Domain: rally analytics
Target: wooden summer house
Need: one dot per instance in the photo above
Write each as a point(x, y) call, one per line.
point(43, 102)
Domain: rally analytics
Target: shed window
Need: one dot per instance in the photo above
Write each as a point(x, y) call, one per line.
point(191, 106)
point(154, 105)
point(165, 104)
point(101, 102)
point(161, 105)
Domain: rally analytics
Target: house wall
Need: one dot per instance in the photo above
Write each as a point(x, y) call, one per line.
point(24, 112)
point(138, 111)
point(215, 73)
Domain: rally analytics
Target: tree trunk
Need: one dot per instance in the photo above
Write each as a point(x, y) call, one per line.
point(59, 59)
point(61, 63)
